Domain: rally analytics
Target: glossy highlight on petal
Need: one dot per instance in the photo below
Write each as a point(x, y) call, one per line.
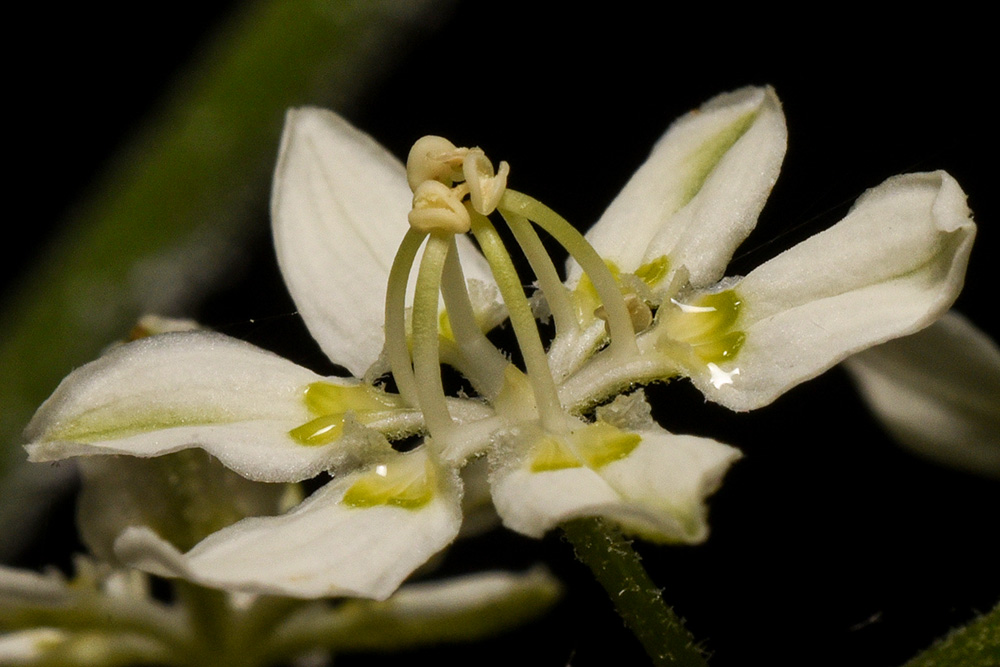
point(891, 267)
point(333, 404)
point(404, 481)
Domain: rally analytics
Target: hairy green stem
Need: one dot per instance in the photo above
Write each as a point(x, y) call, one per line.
point(617, 567)
point(975, 645)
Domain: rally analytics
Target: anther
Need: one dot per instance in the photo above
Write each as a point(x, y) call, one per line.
point(638, 310)
point(485, 187)
point(434, 159)
point(436, 207)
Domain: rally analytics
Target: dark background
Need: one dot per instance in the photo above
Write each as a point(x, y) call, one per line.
point(830, 545)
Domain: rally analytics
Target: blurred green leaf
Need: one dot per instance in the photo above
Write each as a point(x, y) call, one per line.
point(159, 225)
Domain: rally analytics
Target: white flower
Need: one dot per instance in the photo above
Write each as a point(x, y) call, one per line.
point(647, 305)
point(938, 392)
point(106, 616)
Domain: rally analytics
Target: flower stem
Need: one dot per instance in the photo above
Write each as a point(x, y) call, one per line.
point(617, 567)
point(975, 645)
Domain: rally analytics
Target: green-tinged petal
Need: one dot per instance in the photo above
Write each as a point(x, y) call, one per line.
point(657, 489)
point(29, 646)
point(339, 211)
point(26, 587)
point(171, 392)
point(101, 616)
point(888, 269)
point(474, 591)
point(184, 496)
point(462, 608)
point(699, 194)
point(937, 392)
point(360, 535)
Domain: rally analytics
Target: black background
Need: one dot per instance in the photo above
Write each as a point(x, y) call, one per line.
point(830, 545)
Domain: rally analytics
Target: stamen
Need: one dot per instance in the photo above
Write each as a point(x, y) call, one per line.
point(639, 312)
point(396, 348)
point(482, 363)
point(433, 159)
point(552, 287)
point(426, 350)
point(523, 322)
point(619, 321)
point(485, 187)
point(436, 207)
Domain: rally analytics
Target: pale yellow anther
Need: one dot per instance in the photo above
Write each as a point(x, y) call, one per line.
point(485, 187)
point(638, 310)
point(434, 159)
point(436, 207)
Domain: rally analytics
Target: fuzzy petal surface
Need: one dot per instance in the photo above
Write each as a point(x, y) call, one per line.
point(175, 391)
point(698, 195)
point(322, 548)
point(938, 392)
point(338, 209)
point(890, 268)
point(657, 492)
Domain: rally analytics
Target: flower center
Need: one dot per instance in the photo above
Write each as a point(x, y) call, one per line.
point(455, 189)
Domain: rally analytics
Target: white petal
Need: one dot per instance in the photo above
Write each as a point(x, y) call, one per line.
point(658, 491)
point(27, 647)
point(339, 210)
point(486, 592)
point(322, 548)
point(23, 587)
point(890, 268)
point(117, 492)
point(938, 392)
point(171, 392)
point(699, 194)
